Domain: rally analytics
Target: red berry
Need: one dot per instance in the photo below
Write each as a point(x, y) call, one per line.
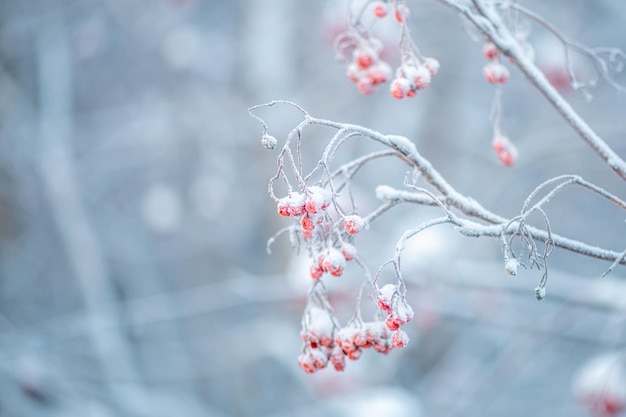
point(399, 87)
point(348, 251)
point(399, 339)
point(316, 271)
point(338, 359)
point(364, 58)
point(496, 73)
point(380, 9)
point(392, 323)
point(355, 354)
point(308, 223)
point(283, 208)
point(401, 13)
point(490, 51)
point(432, 65)
point(353, 224)
point(365, 87)
point(505, 150)
point(334, 262)
point(305, 361)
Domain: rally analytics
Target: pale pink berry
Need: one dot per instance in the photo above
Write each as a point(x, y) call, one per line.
point(401, 13)
point(317, 199)
point(348, 251)
point(496, 73)
point(364, 58)
point(319, 358)
point(419, 76)
point(353, 224)
point(365, 87)
point(354, 73)
point(338, 358)
point(385, 297)
point(355, 354)
point(399, 339)
point(432, 65)
point(305, 361)
point(283, 207)
point(411, 93)
point(380, 9)
point(490, 51)
point(400, 87)
point(379, 73)
point(505, 150)
point(334, 262)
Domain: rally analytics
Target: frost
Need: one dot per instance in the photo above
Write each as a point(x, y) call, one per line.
point(511, 266)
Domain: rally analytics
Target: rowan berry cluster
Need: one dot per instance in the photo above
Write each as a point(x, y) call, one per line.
point(367, 70)
point(326, 343)
point(329, 245)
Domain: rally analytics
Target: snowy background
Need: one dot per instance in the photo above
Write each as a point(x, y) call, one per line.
point(134, 279)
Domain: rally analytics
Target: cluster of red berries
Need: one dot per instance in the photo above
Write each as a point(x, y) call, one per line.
point(505, 150)
point(366, 69)
point(413, 76)
point(322, 348)
point(399, 312)
point(316, 224)
point(494, 71)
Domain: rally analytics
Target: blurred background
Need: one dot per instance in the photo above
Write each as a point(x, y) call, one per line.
point(134, 215)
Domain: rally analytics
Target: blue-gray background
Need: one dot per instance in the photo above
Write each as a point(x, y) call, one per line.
point(133, 215)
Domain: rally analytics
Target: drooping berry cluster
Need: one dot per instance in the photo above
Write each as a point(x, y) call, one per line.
point(325, 343)
point(413, 76)
point(360, 51)
point(494, 71)
point(399, 312)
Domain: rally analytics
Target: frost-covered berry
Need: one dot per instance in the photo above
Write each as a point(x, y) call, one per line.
point(364, 57)
point(353, 224)
point(319, 358)
point(400, 87)
point(338, 359)
point(490, 51)
point(292, 205)
point(399, 339)
point(385, 297)
point(600, 385)
point(379, 73)
point(305, 361)
point(366, 87)
point(505, 150)
point(334, 262)
point(401, 13)
point(496, 73)
point(348, 251)
point(511, 266)
point(432, 65)
point(393, 323)
point(418, 75)
point(308, 222)
point(380, 9)
point(268, 141)
point(354, 354)
point(317, 199)
point(316, 271)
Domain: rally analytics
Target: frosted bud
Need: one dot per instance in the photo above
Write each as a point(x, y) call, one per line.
point(268, 141)
point(511, 266)
point(540, 293)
